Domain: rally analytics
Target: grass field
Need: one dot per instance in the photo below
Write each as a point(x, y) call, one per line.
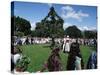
point(38, 54)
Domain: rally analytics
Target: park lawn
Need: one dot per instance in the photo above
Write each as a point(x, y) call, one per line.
point(38, 54)
point(85, 51)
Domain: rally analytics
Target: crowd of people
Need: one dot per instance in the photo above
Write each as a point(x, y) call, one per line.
point(68, 46)
point(41, 40)
point(30, 40)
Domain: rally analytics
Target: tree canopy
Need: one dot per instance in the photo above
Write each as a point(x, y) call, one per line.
point(51, 25)
point(90, 34)
point(21, 25)
point(73, 32)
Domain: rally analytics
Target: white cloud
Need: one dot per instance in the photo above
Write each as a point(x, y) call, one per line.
point(33, 25)
point(69, 8)
point(86, 28)
point(69, 12)
point(50, 4)
point(66, 24)
point(82, 28)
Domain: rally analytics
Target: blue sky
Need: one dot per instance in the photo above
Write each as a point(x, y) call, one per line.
point(84, 17)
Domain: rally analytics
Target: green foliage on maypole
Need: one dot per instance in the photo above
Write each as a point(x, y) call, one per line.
point(50, 26)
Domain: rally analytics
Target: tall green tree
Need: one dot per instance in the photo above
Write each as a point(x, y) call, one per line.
point(73, 32)
point(21, 25)
point(90, 34)
point(51, 25)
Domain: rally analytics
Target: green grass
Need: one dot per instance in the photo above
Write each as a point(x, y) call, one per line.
point(38, 54)
point(85, 51)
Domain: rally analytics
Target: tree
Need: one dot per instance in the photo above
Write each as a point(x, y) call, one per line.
point(73, 32)
point(19, 34)
point(33, 33)
point(90, 34)
point(51, 25)
point(21, 25)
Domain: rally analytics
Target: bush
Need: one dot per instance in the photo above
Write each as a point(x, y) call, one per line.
point(22, 64)
point(19, 34)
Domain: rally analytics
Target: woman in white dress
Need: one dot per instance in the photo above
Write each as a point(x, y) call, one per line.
point(66, 46)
